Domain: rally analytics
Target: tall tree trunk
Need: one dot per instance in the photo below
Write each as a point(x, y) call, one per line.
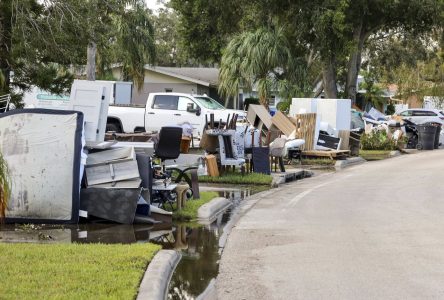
point(91, 61)
point(354, 64)
point(5, 44)
point(329, 79)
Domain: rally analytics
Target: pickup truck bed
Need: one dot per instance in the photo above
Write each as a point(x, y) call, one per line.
point(134, 118)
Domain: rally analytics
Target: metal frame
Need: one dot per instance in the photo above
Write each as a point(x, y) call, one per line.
point(5, 99)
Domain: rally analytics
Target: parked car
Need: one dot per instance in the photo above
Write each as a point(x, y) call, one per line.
point(422, 115)
point(164, 109)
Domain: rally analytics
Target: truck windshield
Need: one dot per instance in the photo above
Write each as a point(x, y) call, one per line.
point(209, 103)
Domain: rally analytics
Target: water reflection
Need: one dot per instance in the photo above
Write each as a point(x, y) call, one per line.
point(82, 233)
point(199, 244)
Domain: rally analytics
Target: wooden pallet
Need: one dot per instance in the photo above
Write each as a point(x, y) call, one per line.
point(305, 129)
point(332, 154)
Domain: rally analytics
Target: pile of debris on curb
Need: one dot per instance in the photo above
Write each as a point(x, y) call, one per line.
point(62, 168)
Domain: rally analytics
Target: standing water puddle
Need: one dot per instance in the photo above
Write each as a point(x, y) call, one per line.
point(199, 244)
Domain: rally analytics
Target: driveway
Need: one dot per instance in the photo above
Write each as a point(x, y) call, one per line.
point(374, 231)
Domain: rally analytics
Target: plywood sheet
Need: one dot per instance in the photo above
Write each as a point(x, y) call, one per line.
point(258, 113)
point(344, 135)
point(212, 168)
point(283, 123)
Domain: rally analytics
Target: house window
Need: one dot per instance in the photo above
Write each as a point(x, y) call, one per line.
point(272, 101)
point(168, 90)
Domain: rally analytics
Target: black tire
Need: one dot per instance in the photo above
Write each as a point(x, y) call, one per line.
point(113, 127)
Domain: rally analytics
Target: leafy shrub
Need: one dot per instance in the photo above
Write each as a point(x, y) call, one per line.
point(378, 140)
point(390, 109)
point(249, 101)
point(283, 106)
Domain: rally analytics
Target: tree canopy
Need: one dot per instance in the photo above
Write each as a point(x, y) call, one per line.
point(40, 41)
point(333, 32)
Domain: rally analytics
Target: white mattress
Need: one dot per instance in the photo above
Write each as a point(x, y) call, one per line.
point(42, 149)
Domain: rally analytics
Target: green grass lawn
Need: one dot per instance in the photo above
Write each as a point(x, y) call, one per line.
point(189, 212)
point(73, 271)
point(318, 161)
point(237, 178)
point(374, 154)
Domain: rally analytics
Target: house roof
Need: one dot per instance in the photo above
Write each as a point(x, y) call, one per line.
point(202, 76)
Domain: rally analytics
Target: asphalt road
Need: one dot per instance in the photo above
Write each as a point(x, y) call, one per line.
point(374, 231)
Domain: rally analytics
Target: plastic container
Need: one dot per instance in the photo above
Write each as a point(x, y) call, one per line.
point(426, 137)
point(437, 133)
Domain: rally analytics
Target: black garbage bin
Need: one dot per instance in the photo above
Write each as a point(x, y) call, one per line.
point(437, 133)
point(426, 137)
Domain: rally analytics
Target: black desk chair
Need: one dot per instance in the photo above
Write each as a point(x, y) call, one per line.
point(168, 145)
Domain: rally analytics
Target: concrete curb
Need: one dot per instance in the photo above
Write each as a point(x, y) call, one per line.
point(341, 164)
point(281, 178)
point(210, 210)
point(209, 292)
point(394, 153)
point(154, 285)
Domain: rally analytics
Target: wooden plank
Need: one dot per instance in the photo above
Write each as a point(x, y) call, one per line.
point(195, 184)
point(330, 154)
point(344, 135)
point(283, 123)
point(258, 113)
point(305, 129)
point(212, 168)
point(208, 142)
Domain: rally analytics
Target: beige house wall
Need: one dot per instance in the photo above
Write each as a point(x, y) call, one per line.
point(139, 97)
point(159, 83)
point(117, 74)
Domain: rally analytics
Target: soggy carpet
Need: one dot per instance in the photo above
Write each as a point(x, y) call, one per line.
point(73, 271)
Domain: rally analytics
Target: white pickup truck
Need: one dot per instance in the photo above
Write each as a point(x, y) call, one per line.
point(167, 109)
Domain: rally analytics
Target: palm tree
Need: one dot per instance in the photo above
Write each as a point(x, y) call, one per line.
point(373, 93)
point(127, 36)
point(257, 58)
point(137, 44)
point(5, 187)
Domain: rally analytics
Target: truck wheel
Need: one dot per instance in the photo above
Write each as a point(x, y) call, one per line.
point(113, 127)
